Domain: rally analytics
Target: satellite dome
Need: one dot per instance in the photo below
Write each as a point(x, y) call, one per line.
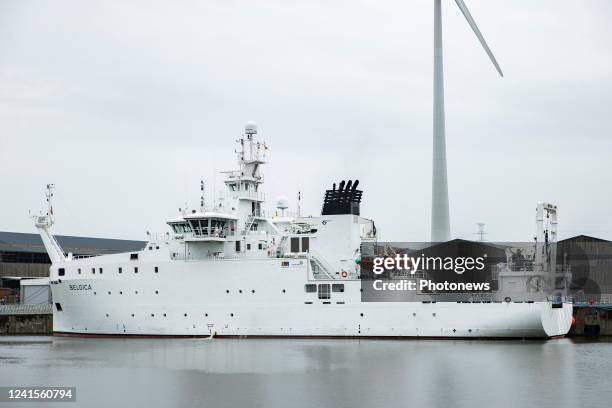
point(282, 203)
point(250, 128)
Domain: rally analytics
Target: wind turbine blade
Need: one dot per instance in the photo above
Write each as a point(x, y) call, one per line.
point(472, 23)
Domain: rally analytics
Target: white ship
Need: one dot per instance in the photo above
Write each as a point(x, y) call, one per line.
point(232, 270)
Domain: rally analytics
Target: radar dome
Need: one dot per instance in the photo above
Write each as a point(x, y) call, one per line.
point(282, 203)
point(250, 128)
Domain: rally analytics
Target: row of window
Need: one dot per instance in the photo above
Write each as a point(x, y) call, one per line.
point(323, 289)
point(62, 271)
point(296, 247)
point(260, 246)
point(121, 292)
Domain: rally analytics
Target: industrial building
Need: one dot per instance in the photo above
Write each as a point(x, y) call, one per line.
point(23, 256)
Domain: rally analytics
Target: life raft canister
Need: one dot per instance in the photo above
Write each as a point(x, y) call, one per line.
point(344, 274)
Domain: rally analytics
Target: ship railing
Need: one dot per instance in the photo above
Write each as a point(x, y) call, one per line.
point(257, 195)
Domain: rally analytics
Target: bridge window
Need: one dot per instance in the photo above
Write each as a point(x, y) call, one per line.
point(248, 247)
point(133, 257)
point(61, 271)
point(338, 287)
point(305, 244)
point(58, 307)
point(237, 246)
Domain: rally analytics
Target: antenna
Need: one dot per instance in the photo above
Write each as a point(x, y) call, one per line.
point(298, 204)
point(202, 195)
point(481, 231)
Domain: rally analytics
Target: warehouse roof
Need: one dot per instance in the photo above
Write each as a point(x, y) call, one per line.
point(22, 242)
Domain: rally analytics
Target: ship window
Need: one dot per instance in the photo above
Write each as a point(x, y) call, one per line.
point(93, 270)
point(295, 244)
point(58, 307)
point(248, 247)
point(324, 291)
point(79, 271)
point(237, 246)
point(260, 245)
point(310, 288)
point(133, 256)
point(305, 244)
point(100, 270)
point(61, 271)
point(156, 269)
point(135, 269)
point(120, 270)
point(338, 287)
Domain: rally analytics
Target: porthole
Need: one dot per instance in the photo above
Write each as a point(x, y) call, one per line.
point(240, 291)
point(136, 292)
point(253, 291)
point(120, 270)
point(95, 293)
point(205, 314)
point(231, 314)
point(227, 291)
point(135, 269)
point(185, 314)
point(132, 314)
point(164, 315)
point(152, 315)
point(107, 315)
point(433, 314)
point(79, 270)
point(109, 292)
point(361, 314)
point(157, 292)
point(284, 290)
point(156, 269)
point(121, 292)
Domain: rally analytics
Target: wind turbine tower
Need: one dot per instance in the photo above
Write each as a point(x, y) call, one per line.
point(440, 219)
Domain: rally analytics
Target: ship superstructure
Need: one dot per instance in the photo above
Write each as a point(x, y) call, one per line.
point(229, 268)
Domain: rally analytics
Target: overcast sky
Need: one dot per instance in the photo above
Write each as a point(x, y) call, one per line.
point(126, 105)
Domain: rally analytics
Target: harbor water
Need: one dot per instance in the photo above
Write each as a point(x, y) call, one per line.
point(311, 373)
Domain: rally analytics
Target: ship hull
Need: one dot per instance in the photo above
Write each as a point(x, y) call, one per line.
point(267, 299)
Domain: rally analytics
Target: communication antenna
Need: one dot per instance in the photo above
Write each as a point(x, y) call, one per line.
point(298, 204)
point(481, 231)
point(202, 195)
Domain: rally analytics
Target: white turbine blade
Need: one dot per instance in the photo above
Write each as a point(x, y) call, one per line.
point(472, 23)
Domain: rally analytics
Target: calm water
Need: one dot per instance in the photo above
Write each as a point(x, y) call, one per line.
point(312, 373)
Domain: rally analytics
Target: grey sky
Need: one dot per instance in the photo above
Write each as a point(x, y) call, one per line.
point(126, 105)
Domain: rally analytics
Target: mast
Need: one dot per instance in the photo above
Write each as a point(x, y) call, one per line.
point(43, 224)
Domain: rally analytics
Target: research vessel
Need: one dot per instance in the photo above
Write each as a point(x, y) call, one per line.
point(230, 269)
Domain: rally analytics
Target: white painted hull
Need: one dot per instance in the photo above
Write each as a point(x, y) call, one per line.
point(265, 299)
